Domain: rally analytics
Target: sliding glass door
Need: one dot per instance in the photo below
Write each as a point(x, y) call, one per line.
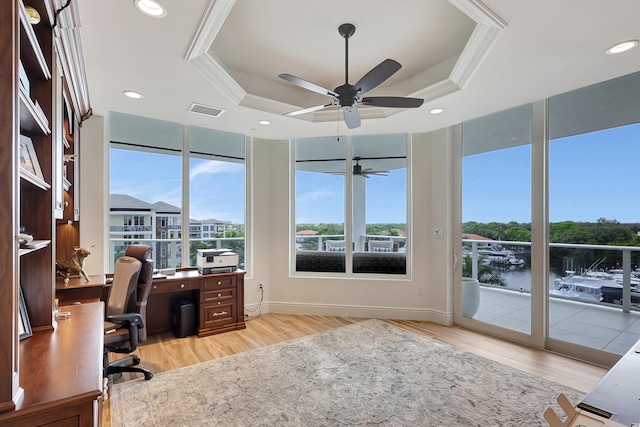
point(550, 222)
point(496, 220)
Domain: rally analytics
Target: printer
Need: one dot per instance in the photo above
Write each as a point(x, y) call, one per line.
point(210, 261)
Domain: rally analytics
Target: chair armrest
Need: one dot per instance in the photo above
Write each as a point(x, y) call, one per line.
point(130, 318)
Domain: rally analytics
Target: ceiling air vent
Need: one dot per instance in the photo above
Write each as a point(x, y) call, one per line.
point(206, 109)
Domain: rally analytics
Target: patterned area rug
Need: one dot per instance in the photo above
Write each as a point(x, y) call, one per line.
point(368, 373)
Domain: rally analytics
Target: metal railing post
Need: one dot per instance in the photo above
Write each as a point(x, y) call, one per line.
point(626, 281)
point(474, 263)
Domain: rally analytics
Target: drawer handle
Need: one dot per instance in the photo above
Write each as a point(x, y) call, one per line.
point(219, 295)
point(181, 285)
point(155, 286)
point(219, 283)
point(220, 314)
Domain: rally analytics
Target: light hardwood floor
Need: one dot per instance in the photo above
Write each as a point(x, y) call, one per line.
point(165, 352)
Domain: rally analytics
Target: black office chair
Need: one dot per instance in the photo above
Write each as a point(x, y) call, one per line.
point(123, 322)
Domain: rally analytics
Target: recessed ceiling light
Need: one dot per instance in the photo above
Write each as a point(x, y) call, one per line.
point(622, 47)
point(34, 16)
point(264, 122)
point(132, 94)
point(436, 110)
point(151, 8)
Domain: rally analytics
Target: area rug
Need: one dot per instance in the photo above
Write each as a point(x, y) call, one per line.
point(368, 373)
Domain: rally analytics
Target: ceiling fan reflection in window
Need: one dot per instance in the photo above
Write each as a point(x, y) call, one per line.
point(347, 96)
point(358, 170)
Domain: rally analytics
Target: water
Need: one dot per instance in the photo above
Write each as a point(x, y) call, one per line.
point(519, 278)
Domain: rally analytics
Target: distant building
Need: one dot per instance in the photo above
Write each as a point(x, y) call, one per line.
point(159, 224)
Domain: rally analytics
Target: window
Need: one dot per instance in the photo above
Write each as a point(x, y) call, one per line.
point(594, 135)
point(379, 197)
point(376, 171)
point(147, 181)
point(320, 203)
point(496, 214)
point(216, 161)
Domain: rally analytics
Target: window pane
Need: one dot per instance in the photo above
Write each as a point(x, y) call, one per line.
point(496, 210)
point(319, 204)
point(379, 170)
point(146, 191)
point(217, 192)
point(593, 204)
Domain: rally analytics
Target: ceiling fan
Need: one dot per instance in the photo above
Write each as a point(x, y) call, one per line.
point(347, 96)
point(357, 170)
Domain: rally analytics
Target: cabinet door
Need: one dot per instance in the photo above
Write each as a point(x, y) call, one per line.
point(216, 315)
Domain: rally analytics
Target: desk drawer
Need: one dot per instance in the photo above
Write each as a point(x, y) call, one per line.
point(217, 295)
point(163, 287)
point(220, 282)
point(217, 315)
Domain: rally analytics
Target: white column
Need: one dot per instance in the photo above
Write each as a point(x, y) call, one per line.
point(359, 211)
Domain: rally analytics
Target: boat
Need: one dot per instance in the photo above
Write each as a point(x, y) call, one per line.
point(497, 255)
point(587, 288)
point(634, 278)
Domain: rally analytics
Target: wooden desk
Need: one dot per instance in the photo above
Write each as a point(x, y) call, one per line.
point(617, 394)
point(61, 372)
point(79, 290)
point(219, 299)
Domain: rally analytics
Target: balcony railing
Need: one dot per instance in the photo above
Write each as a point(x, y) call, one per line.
point(316, 242)
point(132, 228)
point(171, 254)
point(589, 258)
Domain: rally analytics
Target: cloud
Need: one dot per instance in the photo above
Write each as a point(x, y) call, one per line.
point(211, 167)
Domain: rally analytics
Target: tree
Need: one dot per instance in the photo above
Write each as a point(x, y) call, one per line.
point(485, 273)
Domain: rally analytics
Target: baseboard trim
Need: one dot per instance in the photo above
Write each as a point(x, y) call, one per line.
point(398, 313)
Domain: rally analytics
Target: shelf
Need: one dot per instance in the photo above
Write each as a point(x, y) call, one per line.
point(37, 244)
point(30, 52)
point(32, 121)
point(31, 178)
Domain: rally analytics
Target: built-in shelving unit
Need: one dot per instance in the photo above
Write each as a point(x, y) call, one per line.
point(34, 118)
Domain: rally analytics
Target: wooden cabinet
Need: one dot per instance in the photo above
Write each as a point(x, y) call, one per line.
point(36, 63)
point(219, 298)
point(221, 303)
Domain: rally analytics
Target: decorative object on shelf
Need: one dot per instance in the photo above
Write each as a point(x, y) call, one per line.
point(24, 326)
point(33, 14)
point(24, 239)
point(28, 157)
point(73, 265)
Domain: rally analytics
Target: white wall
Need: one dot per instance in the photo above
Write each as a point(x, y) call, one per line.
point(94, 200)
point(388, 297)
point(426, 295)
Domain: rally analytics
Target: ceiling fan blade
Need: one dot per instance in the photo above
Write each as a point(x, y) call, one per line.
point(352, 118)
point(307, 110)
point(378, 75)
point(307, 85)
point(392, 101)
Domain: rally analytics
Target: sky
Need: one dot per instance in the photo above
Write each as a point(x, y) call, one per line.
point(591, 176)
point(217, 188)
point(320, 198)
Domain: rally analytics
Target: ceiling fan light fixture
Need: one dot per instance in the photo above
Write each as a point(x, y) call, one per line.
point(151, 8)
point(436, 110)
point(622, 47)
